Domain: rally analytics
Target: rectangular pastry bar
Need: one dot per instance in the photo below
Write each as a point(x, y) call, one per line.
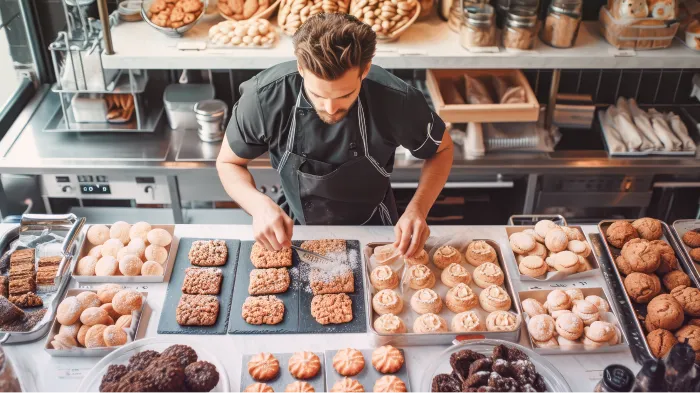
point(19, 269)
point(202, 281)
point(331, 309)
point(268, 281)
point(263, 310)
point(20, 286)
point(340, 280)
point(208, 253)
point(197, 310)
point(49, 261)
point(22, 256)
point(325, 246)
point(46, 276)
point(263, 259)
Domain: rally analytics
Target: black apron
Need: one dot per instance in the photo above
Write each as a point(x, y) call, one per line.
point(358, 192)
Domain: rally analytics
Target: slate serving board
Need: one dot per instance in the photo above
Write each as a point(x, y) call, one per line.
point(368, 376)
point(284, 378)
point(297, 299)
point(167, 323)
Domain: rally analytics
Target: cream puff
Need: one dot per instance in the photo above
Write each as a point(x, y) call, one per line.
point(556, 240)
point(389, 324)
point(383, 277)
point(429, 323)
point(579, 248)
point(467, 321)
point(480, 252)
point(532, 266)
point(532, 307)
point(488, 274)
point(569, 326)
point(426, 301)
point(494, 298)
point(587, 311)
point(574, 294)
point(599, 302)
point(543, 227)
point(455, 274)
point(387, 301)
point(446, 255)
point(461, 298)
point(386, 254)
point(420, 276)
point(501, 321)
point(420, 258)
point(541, 327)
point(558, 300)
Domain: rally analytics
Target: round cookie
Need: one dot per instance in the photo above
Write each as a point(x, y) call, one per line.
point(98, 234)
point(263, 367)
point(68, 312)
point(664, 312)
point(543, 227)
point(152, 268)
point(120, 230)
point(347, 385)
point(299, 386)
point(641, 255)
point(695, 254)
point(389, 383)
point(159, 237)
point(690, 335)
point(539, 251)
point(556, 240)
point(479, 252)
point(533, 266)
point(184, 354)
point(648, 228)
point(114, 336)
point(689, 299)
point(106, 292)
point(532, 307)
point(641, 288)
point(622, 265)
point(259, 387)
point(669, 262)
point(574, 234)
point(130, 265)
point(86, 266)
point(387, 359)
point(304, 365)
point(660, 342)
point(201, 376)
point(139, 230)
point(674, 279)
point(126, 301)
point(564, 261)
point(106, 266)
point(619, 233)
point(692, 238)
point(522, 243)
point(446, 255)
point(348, 362)
point(579, 248)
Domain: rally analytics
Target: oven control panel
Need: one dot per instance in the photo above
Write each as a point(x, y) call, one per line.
point(141, 189)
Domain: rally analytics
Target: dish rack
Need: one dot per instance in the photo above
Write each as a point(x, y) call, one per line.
point(80, 74)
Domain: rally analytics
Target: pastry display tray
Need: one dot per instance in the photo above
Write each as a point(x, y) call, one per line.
point(639, 310)
point(94, 352)
point(284, 378)
point(369, 375)
point(460, 242)
point(680, 227)
point(167, 323)
point(86, 246)
point(554, 276)
point(532, 219)
point(297, 299)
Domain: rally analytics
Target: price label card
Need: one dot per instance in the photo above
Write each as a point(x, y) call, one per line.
point(622, 52)
point(485, 49)
point(192, 45)
point(67, 372)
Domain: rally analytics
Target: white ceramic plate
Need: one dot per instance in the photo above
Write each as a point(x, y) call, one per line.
point(91, 382)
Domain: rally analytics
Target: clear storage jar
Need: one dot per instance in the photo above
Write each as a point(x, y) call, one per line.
point(562, 23)
point(520, 29)
point(478, 27)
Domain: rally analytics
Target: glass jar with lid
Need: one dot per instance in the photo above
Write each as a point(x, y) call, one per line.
point(562, 23)
point(520, 29)
point(478, 27)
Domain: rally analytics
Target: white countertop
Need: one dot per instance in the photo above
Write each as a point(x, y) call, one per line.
point(64, 374)
point(426, 44)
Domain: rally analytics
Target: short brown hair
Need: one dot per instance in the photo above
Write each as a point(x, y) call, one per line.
point(330, 44)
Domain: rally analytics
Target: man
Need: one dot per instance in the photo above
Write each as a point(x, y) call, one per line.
point(332, 122)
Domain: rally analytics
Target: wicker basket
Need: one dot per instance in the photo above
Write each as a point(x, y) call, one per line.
point(395, 23)
point(295, 12)
point(264, 13)
point(638, 34)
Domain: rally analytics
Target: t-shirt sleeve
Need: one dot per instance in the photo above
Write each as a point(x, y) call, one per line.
point(246, 130)
point(423, 129)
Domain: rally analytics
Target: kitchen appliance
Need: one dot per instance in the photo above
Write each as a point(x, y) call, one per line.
point(180, 100)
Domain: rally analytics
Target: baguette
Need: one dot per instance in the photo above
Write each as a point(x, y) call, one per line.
point(643, 123)
point(613, 139)
point(681, 131)
point(664, 132)
point(624, 110)
point(626, 129)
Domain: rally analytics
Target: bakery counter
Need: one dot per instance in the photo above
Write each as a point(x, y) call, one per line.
point(45, 373)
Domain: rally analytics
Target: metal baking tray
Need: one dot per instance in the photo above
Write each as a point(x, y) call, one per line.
point(35, 224)
point(85, 247)
point(680, 227)
point(639, 310)
point(555, 276)
point(532, 219)
point(93, 352)
point(405, 339)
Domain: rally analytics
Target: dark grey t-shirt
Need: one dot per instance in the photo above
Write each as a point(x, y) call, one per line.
point(396, 115)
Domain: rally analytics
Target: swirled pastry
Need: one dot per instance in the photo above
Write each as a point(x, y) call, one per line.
point(348, 362)
point(387, 359)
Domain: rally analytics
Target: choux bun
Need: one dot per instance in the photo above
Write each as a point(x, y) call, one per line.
point(126, 301)
point(98, 234)
point(106, 266)
point(156, 253)
point(159, 237)
point(107, 291)
point(130, 265)
point(139, 230)
point(86, 266)
point(120, 230)
point(89, 299)
point(152, 268)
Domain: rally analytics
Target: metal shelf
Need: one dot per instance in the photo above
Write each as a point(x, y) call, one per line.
point(122, 85)
point(427, 44)
point(59, 124)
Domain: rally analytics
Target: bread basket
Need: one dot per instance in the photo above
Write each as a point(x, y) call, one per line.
point(169, 31)
point(638, 34)
point(295, 12)
point(358, 8)
point(265, 13)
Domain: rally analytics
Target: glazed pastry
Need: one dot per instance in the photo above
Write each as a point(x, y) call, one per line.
point(501, 321)
point(669, 262)
point(446, 255)
point(622, 265)
point(648, 228)
point(494, 298)
point(299, 386)
point(304, 365)
point(692, 238)
point(532, 307)
point(660, 342)
point(263, 367)
point(541, 327)
point(389, 383)
point(467, 321)
point(455, 274)
point(642, 256)
point(689, 299)
point(532, 266)
point(565, 261)
point(543, 227)
point(386, 254)
point(461, 298)
point(259, 387)
point(588, 312)
point(347, 385)
point(387, 359)
point(383, 277)
point(387, 301)
point(569, 326)
point(690, 335)
point(420, 258)
point(389, 324)
point(556, 240)
point(426, 301)
point(579, 248)
point(674, 279)
point(430, 323)
point(664, 312)
point(420, 276)
point(488, 274)
point(574, 294)
point(641, 287)
point(574, 234)
point(599, 302)
point(620, 232)
point(479, 252)
point(348, 362)
point(522, 243)
point(558, 300)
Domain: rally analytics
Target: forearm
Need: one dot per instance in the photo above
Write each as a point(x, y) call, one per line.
point(240, 186)
point(433, 178)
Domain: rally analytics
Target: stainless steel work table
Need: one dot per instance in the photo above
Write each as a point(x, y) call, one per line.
point(64, 374)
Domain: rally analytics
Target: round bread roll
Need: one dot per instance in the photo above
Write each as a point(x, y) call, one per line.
point(89, 299)
point(159, 237)
point(68, 312)
point(106, 266)
point(107, 291)
point(94, 338)
point(86, 266)
point(110, 311)
point(111, 247)
point(82, 332)
point(94, 316)
point(114, 336)
point(152, 268)
point(130, 265)
point(156, 253)
point(137, 247)
point(96, 252)
point(124, 322)
point(139, 230)
point(122, 253)
point(126, 301)
point(98, 234)
point(120, 230)
point(70, 330)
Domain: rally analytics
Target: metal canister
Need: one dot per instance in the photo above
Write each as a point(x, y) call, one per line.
point(211, 117)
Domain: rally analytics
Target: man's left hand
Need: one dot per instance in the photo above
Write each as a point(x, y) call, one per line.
point(411, 232)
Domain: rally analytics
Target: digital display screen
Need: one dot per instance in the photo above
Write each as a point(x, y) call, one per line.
point(95, 189)
point(62, 179)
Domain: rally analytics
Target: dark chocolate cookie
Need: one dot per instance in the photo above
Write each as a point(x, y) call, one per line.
point(462, 360)
point(514, 354)
point(480, 378)
point(135, 381)
point(166, 373)
point(503, 384)
point(184, 354)
point(445, 383)
point(201, 377)
point(484, 364)
point(524, 372)
point(499, 352)
point(113, 374)
point(141, 360)
point(503, 368)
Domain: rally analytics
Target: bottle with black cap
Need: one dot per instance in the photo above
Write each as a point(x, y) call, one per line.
point(616, 378)
point(679, 366)
point(651, 377)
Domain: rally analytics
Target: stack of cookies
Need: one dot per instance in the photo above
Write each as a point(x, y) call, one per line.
point(331, 284)
point(692, 240)
point(22, 286)
point(270, 277)
point(652, 276)
point(549, 247)
point(199, 304)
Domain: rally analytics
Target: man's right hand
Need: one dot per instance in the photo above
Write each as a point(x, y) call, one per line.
point(272, 227)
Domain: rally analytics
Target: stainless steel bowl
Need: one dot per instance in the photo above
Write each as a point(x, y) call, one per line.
point(169, 31)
